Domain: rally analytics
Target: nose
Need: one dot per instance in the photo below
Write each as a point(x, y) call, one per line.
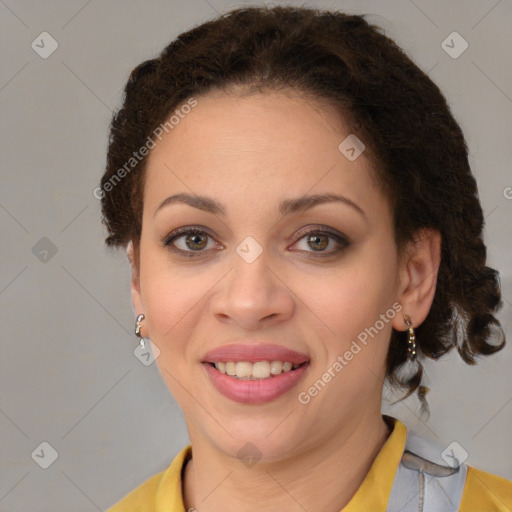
point(254, 293)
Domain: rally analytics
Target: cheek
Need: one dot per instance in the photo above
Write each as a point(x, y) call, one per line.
point(172, 302)
point(354, 295)
point(355, 302)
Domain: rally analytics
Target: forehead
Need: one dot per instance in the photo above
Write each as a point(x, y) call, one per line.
point(257, 146)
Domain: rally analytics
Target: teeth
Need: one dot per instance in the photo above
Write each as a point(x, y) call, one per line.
point(243, 369)
point(253, 371)
point(260, 370)
point(230, 368)
point(276, 367)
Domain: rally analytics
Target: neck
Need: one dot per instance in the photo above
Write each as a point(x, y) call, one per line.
point(324, 478)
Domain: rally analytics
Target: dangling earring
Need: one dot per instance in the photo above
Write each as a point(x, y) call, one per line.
point(424, 407)
point(411, 342)
point(137, 329)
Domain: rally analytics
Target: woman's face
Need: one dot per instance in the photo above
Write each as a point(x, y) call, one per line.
point(253, 276)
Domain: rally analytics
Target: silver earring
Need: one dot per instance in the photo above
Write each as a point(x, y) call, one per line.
point(137, 329)
point(411, 342)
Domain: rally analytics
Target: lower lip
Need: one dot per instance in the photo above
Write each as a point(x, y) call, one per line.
point(255, 391)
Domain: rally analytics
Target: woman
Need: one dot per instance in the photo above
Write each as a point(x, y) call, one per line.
point(302, 224)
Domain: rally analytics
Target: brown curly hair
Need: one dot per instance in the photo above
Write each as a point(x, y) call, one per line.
point(416, 147)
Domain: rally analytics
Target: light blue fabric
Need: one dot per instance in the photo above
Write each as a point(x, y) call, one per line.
point(440, 493)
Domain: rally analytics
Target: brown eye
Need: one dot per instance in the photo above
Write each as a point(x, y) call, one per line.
point(187, 241)
point(317, 241)
point(196, 241)
point(192, 241)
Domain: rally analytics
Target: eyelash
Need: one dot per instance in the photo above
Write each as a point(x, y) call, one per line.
point(315, 230)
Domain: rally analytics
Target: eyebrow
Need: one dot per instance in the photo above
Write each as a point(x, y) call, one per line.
point(287, 207)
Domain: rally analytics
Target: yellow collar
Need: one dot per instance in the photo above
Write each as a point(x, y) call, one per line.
point(373, 494)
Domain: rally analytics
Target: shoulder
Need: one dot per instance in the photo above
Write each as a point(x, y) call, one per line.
point(485, 492)
point(160, 492)
point(142, 498)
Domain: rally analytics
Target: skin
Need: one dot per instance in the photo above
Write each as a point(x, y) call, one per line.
point(250, 152)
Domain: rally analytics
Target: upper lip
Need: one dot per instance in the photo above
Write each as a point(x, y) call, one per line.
point(253, 352)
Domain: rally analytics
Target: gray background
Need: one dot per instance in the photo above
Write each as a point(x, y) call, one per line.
point(68, 375)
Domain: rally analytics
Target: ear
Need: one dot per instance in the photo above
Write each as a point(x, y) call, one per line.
point(138, 305)
point(418, 277)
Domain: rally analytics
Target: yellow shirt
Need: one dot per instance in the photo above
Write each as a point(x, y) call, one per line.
point(483, 492)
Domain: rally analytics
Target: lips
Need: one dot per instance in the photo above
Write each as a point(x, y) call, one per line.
point(254, 391)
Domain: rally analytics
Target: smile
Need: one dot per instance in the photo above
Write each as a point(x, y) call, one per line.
point(254, 390)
